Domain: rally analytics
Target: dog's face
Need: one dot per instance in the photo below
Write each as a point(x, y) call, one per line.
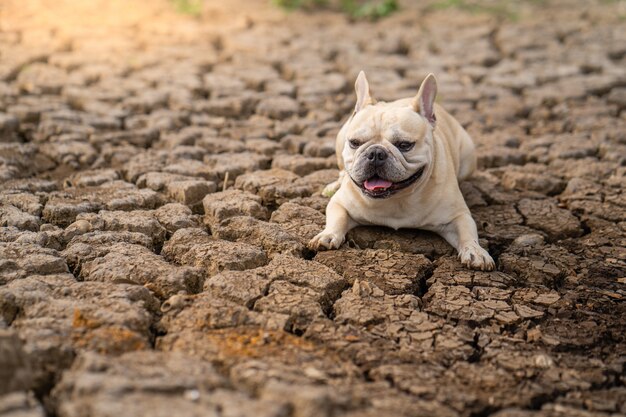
point(388, 145)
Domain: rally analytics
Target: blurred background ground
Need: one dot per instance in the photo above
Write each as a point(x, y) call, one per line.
point(160, 172)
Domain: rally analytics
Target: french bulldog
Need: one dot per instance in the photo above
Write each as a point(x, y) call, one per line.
point(400, 166)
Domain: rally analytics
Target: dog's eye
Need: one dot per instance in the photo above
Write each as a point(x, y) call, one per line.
point(354, 143)
point(405, 146)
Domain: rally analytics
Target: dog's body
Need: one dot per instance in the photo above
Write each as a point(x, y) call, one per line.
point(400, 167)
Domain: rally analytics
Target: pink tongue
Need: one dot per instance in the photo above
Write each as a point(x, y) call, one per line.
point(377, 184)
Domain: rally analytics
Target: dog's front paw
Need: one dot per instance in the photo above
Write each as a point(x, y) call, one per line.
point(326, 240)
point(331, 189)
point(474, 257)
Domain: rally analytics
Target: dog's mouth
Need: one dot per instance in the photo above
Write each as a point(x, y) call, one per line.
point(377, 187)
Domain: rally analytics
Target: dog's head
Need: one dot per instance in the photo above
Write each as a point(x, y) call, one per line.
point(387, 146)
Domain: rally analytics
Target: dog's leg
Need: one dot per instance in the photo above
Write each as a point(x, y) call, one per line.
point(462, 234)
point(338, 223)
point(332, 188)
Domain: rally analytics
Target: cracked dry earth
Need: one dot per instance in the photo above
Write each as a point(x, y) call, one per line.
point(161, 175)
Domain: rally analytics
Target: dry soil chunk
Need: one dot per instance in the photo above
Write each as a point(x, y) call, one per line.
point(500, 223)
point(320, 148)
point(241, 287)
point(25, 201)
point(194, 247)
point(20, 260)
point(22, 160)
point(93, 178)
point(159, 181)
point(280, 107)
point(50, 236)
point(157, 383)
point(235, 164)
point(365, 304)
point(546, 184)
point(13, 216)
point(191, 192)
point(393, 272)
point(8, 127)
point(176, 216)
point(231, 203)
point(144, 162)
point(20, 404)
point(449, 271)
point(254, 282)
point(136, 264)
point(57, 316)
point(544, 215)
point(200, 312)
point(263, 146)
point(42, 79)
point(214, 145)
point(89, 246)
point(301, 304)
point(302, 165)
point(139, 221)
point(539, 264)
point(274, 185)
point(406, 240)
point(190, 168)
point(499, 156)
point(299, 290)
point(76, 154)
point(15, 369)
point(301, 221)
point(270, 236)
point(214, 331)
point(220, 85)
point(449, 294)
point(30, 185)
point(458, 303)
point(63, 207)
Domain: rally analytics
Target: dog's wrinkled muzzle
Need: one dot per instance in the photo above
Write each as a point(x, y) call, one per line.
point(377, 187)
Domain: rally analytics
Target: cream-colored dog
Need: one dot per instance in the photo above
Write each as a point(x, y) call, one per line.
point(400, 165)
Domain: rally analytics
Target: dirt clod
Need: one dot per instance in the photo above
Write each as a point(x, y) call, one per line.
point(161, 173)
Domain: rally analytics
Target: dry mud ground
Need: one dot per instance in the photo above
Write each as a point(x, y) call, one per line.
point(131, 284)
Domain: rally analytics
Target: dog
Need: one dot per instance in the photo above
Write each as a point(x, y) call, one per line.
point(400, 166)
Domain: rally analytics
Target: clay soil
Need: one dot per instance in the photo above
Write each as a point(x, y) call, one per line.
point(160, 176)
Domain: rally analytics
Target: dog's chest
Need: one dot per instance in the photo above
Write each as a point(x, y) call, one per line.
point(390, 213)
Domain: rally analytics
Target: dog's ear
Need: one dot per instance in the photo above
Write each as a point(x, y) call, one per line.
point(424, 101)
point(362, 89)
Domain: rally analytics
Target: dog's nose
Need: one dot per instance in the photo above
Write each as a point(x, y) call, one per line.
point(377, 156)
